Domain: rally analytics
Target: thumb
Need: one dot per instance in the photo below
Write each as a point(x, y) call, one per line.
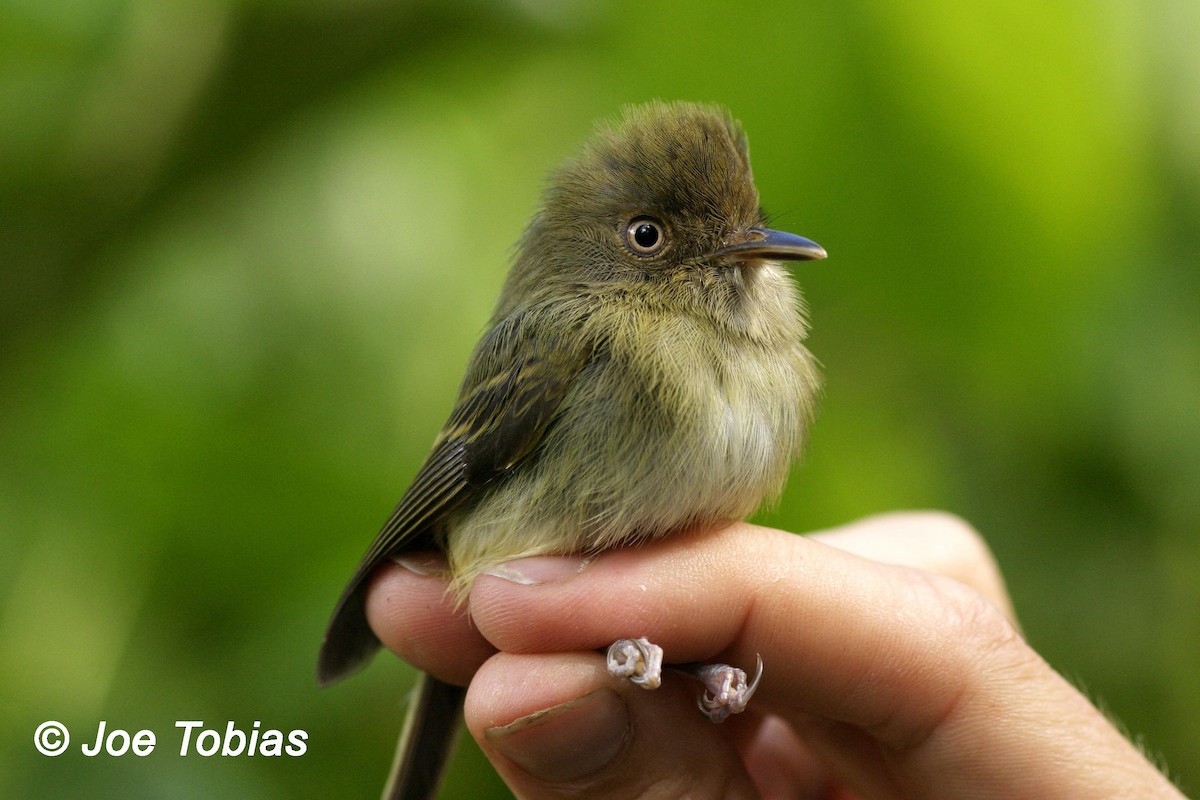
point(559, 726)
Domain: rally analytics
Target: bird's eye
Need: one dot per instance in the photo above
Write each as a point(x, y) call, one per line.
point(645, 236)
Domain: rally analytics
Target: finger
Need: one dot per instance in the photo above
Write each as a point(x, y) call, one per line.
point(782, 765)
point(929, 540)
point(742, 589)
point(907, 683)
point(414, 616)
point(856, 640)
point(560, 726)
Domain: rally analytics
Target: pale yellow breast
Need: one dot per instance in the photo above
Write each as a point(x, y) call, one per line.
point(720, 420)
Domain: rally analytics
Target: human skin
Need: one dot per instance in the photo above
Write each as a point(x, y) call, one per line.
point(894, 669)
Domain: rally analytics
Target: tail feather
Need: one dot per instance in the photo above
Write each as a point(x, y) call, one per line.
point(426, 740)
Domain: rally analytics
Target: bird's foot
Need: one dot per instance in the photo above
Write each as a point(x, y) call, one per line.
point(727, 689)
point(638, 660)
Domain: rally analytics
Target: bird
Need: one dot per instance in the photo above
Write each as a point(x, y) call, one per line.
point(644, 372)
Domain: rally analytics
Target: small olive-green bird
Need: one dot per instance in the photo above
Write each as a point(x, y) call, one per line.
point(644, 372)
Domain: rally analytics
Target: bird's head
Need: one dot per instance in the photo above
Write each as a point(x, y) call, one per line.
point(661, 202)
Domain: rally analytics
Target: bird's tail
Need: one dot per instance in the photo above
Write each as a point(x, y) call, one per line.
point(426, 740)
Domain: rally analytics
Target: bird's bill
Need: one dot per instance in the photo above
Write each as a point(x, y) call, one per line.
point(765, 244)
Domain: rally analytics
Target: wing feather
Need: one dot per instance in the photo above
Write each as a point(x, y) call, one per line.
point(498, 422)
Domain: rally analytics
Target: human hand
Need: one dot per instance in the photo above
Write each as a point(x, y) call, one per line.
point(893, 669)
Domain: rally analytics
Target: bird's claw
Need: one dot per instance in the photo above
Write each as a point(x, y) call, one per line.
point(727, 689)
point(639, 660)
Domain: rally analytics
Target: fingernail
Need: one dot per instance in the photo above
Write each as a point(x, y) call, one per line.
point(539, 569)
point(422, 563)
point(569, 741)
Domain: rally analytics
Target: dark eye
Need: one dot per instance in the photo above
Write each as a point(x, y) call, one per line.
point(645, 236)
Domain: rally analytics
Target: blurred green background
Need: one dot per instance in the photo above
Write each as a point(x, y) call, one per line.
point(246, 246)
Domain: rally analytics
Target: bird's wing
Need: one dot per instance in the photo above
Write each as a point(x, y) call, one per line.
point(509, 398)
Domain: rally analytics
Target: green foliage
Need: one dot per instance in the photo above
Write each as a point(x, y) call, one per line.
point(245, 248)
